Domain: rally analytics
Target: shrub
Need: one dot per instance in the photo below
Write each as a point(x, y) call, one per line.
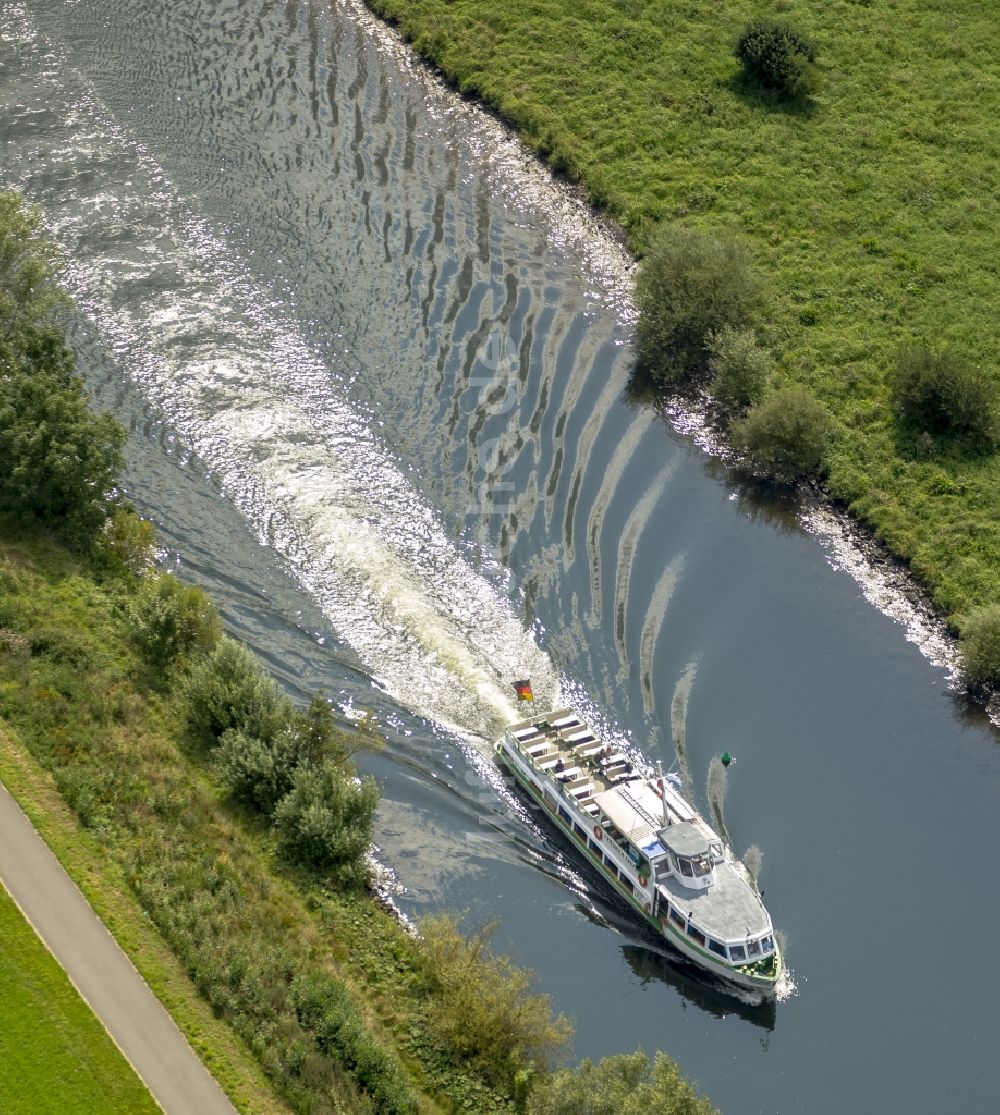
point(260, 772)
point(625, 1084)
point(325, 821)
point(170, 619)
point(691, 286)
point(777, 58)
point(482, 1004)
point(786, 434)
point(228, 688)
point(739, 367)
point(127, 543)
point(325, 1009)
point(981, 646)
point(936, 392)
point(257, 772)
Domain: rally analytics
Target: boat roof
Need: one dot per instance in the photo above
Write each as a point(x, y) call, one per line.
point(685, 839)
point(635, 809)
point(729, 909)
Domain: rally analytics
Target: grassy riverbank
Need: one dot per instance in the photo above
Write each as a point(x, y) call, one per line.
point(54, 1054)
point(81, 705)
point(871, 211)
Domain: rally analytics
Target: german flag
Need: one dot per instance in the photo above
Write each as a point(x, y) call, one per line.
point(523, 690)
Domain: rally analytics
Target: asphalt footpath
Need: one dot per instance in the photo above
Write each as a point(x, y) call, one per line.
point(101, 972)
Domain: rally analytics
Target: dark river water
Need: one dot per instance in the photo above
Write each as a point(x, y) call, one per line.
point(374, 371)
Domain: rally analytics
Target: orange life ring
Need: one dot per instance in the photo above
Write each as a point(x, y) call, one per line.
point(643, 880)
point(599, 832)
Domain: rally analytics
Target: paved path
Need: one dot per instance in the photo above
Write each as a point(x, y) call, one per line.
point(101, 972)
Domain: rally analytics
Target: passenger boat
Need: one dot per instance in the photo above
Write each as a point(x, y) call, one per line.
point(649, 842)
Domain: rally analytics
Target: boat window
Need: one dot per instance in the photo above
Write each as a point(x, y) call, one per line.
point(686, 867)
point(753, 948)
point(677, 916)
point(663, 868)
point(594, 849)
point(565, 816)
point(716, 947)
point(767, 945)
point(696, 934)
point(580, 834)
point(609, 864)
point(737, 952)
point(702, 866)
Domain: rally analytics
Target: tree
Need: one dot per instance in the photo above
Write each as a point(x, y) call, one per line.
point(625, 1084)
point(171, 619)
point(28, 295)
point(483, 1006)
point(59, 463)
point(777, 58)
point(325, 821)
point(786, 433)
point(127, 543)
point(936, 392)
point(228, 688)
point(690, 287)
point(739, 367)
point(981, 646)
point(260, 772)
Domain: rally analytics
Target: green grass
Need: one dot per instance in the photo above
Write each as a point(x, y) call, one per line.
point(872, 212)
point(172, 866)
point(54, 1054)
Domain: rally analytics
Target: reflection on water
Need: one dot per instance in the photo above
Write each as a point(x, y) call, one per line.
point(375, 373)
point(689, 982)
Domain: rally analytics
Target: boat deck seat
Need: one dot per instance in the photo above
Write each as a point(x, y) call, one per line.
point(583, 791)
point(591, 807)
point(566, 722)
point(569, 774)
point(583, 736)
point(537, 749)
point(612, 760)
point(585, 750)
point(548, 763)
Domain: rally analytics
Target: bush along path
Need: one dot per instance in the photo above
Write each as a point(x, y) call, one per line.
point(840, 158)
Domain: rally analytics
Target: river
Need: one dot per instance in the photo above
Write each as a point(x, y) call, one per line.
point(375, 372)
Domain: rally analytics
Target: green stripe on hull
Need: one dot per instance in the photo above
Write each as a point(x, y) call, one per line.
point(707, 960)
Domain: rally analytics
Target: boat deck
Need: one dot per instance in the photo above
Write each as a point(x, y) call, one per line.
point(564, 747)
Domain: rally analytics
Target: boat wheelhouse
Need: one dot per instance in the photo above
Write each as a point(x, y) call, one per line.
point(650, 843)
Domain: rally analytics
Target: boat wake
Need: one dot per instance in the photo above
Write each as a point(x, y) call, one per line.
point(226, 365)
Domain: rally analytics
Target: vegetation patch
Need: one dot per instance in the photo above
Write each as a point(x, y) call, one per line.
point(628, 1084)
point(786, 434)
point(777, 59)
point(981, 646)
point(869, 208)
point(55, 1056)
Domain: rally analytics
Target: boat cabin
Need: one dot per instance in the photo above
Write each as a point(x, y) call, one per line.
point(691, 855)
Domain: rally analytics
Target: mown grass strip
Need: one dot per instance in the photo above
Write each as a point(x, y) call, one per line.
point(105, 887)
point(871, 210)
point(55, 1057)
